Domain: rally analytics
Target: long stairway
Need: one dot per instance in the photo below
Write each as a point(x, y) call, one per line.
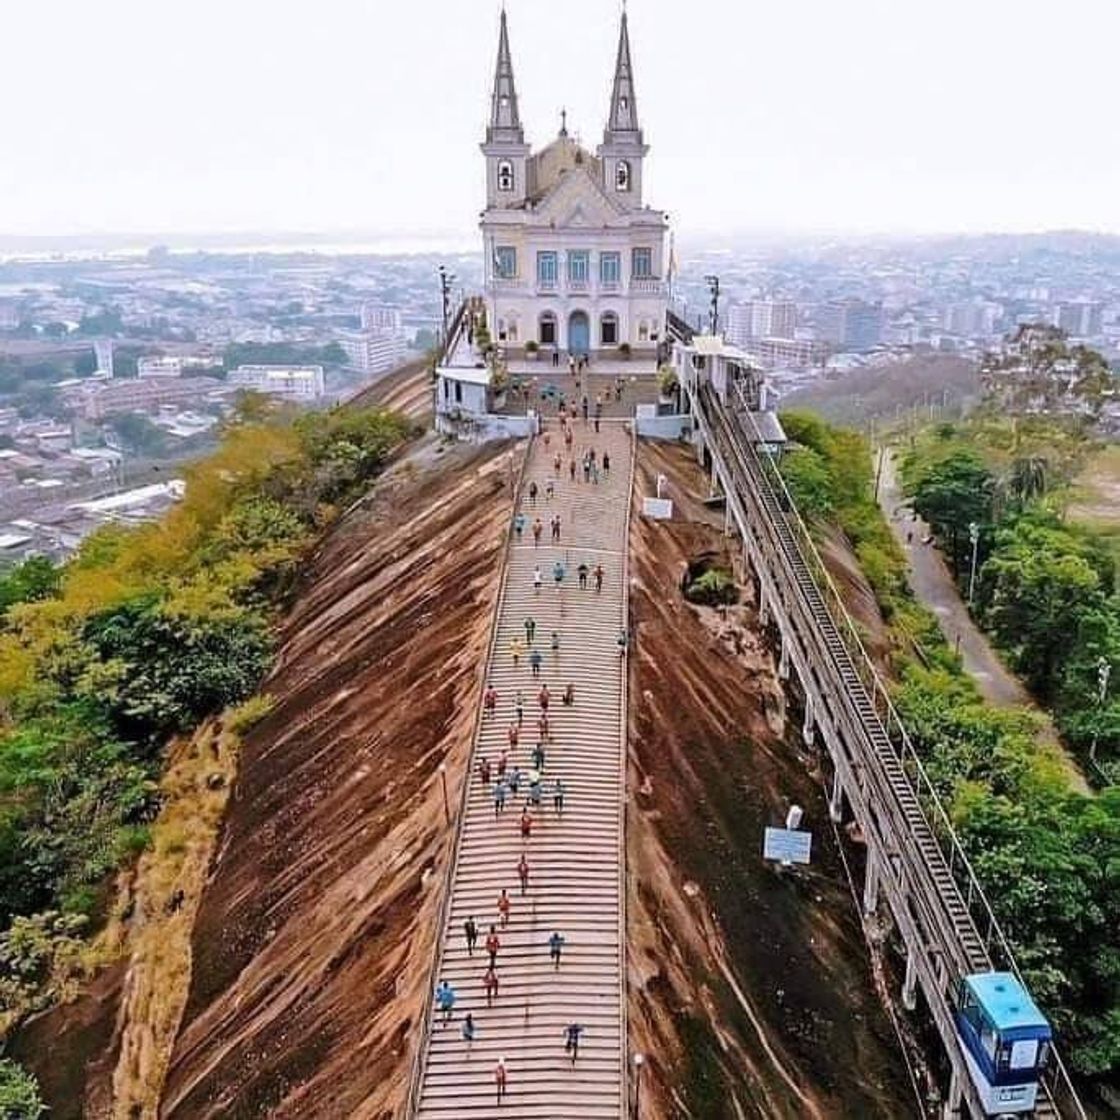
point(574, 856)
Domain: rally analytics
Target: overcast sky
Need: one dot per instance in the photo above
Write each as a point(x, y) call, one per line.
point(774, 115)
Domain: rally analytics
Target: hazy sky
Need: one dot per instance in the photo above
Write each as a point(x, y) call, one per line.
point(865, 115)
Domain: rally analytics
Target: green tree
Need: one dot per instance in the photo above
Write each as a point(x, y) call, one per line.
point(951, 493)
point(19, 1093)
point(30, 582)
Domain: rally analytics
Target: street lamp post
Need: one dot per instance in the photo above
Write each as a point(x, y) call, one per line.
point(713, 315)
point(974, 537)
point(446, 802)
point(446, 280)
point(639, 1061)
point(1104, 671)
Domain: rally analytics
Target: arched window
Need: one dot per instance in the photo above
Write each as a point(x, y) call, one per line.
point(608, 329)
point(505, 175)
point(622, 175)
point(547, 329)
point(511, 329)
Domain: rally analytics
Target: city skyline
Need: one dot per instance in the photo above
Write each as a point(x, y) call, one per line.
point(853, 119)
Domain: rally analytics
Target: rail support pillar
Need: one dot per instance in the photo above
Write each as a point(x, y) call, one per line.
point(836, 801)
point(763, 607)
point(808, 727)
point(783, 658)
point(910, 981)
point(871, 884)
point(954, 1100)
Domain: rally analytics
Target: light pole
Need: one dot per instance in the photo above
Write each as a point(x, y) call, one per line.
point(1104, 671)
point(446, 280)
point(639, 1061)
point(446, 802)
point(713, 315)
point(974, 537)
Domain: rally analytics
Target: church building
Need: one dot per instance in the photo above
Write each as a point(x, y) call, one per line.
point(575, 260)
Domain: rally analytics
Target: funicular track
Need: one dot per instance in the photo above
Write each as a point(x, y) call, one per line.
point(913, 855)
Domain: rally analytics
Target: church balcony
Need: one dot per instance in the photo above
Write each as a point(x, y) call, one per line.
point(547, 287)
point(507, 283)
point(647, 285)
point(575, 285)
point(610, 286)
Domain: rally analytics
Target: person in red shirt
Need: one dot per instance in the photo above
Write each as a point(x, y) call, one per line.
point(543, 697)
point(503, 908)
point(526, 824)
point(490, 983)
point(523, 872)
point(493, 945)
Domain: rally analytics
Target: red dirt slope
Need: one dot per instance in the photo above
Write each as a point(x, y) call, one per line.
point(315, 934)
point(750, 988)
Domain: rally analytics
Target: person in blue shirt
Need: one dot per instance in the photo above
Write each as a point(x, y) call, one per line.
point(555, 944)
point(445, 1000)
point(558, 573)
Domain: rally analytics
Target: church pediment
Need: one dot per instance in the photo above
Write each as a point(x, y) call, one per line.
point(577, 202)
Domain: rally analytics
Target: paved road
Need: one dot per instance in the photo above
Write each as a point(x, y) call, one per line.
point(932, 582)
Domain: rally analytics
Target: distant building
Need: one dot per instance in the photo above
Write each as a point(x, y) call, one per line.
point(159, 367)
point(785, 353)
point(974, 319)
point(373, 351)
point(97, 399)
point(103, 352)
point(850, 324)
point(380, 317)
point(9, 317)
point(761, 318)
point(297, 383)
point(1078, 318)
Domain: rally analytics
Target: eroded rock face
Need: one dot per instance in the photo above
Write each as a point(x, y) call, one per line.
point(750, 988)
point(315, 935)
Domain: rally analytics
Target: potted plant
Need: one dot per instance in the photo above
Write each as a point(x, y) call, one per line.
point(531, 349)
point(624, 350)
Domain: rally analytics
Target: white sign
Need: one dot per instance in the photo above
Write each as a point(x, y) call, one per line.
point(659, 508)
point(787, 845)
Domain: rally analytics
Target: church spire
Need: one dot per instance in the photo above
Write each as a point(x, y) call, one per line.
point(505, 122)
point(623, 120)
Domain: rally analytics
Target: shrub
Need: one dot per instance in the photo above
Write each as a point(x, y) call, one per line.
point(716, 587)
point(624, 349)
point(532, 346)
point(19, 1093)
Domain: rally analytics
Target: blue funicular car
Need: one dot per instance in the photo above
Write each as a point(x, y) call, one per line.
point(1005, 1039)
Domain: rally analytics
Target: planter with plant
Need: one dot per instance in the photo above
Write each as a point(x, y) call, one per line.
point(531, 348)
point(624, 350)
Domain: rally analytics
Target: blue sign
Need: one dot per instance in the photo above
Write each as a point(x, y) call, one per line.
point(787, 844)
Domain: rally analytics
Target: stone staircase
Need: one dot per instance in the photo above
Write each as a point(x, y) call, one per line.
point(575, 857)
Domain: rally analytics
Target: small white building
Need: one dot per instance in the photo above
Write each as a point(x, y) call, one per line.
point(159, 367)
point(298, 383)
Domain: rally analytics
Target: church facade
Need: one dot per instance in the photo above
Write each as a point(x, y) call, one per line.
point(575, 261)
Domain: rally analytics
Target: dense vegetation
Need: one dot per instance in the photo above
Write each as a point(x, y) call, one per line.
point(1044, 588)
point(144, 634)
point(1049, 857)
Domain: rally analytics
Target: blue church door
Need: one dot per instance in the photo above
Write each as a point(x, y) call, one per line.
point(579, 333)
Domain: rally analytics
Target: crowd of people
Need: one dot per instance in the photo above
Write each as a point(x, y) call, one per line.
point(524, 775)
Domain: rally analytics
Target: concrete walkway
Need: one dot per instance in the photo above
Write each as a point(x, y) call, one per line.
point(574, 857)
point(932, 583)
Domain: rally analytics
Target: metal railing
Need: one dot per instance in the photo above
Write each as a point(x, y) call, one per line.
point(980, 912)
point(624, 707)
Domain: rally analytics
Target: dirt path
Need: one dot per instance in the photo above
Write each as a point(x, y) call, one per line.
point(750, 988)
point(933, 585)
